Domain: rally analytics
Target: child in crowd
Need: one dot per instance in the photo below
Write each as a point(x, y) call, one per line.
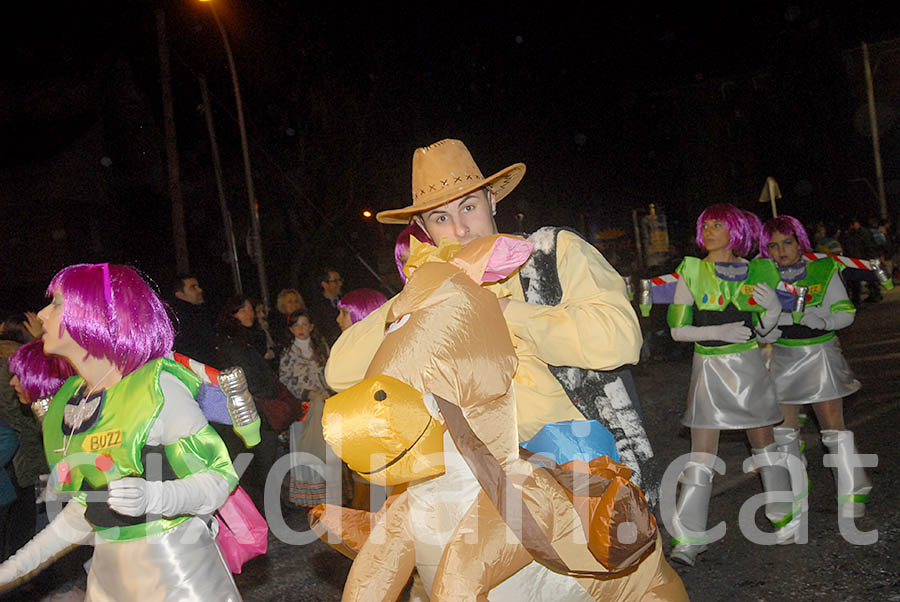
point(316, 476)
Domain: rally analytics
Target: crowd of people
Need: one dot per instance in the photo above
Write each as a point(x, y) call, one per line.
point(95, 366)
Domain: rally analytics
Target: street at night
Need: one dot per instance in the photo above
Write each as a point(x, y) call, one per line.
point(234, 224)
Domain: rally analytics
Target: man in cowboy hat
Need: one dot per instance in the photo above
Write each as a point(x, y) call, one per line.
point(566, 309)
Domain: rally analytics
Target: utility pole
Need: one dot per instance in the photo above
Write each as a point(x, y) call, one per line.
point(256, 250)
point(182, 264)
point(223, 205)
point(873, 124)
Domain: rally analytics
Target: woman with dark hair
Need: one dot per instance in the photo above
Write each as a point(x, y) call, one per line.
point(303, 363)
point(128, 409)
point(807, 363)
point(237, 344)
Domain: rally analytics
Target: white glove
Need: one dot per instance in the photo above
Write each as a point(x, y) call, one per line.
point(813, 321)
point(200, 493)
point(733, 332)
point(769, 338)
point(68, 529)
point(767, 298)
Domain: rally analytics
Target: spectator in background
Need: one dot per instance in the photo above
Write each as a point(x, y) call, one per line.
point(287, 302)
point(235, 346)
point(356, 305)
point(194, 333)
point(401, 246)
point(878, 237)
point(323, 306)
point(21, 328)
point(302, 364)
point(9, 443)
point(858, 243)
point(302, 372)
point(827, 239)
point(890, 247)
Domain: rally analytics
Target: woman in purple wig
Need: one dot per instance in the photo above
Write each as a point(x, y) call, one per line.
point(807, 364)
point(36, 374)
point(719, 302)
point(127, 439)
point(357, 304)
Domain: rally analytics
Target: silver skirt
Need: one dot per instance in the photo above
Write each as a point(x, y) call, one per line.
point(732, 391)
point(181, 565)
point(811, 373)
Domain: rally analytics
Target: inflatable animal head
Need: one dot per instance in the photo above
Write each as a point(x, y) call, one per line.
point(446, 336)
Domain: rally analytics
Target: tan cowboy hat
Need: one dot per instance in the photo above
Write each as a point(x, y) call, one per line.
point(445, 171)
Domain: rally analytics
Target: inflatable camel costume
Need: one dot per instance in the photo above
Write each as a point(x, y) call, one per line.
point(478, 518)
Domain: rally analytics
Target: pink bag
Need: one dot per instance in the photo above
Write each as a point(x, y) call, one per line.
point(243, 532)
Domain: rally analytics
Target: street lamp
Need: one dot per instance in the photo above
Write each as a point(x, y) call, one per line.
point(256, 240)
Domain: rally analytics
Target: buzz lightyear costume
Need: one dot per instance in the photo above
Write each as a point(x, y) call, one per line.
point(142, 465)
point(808, 367)
point(730, 385)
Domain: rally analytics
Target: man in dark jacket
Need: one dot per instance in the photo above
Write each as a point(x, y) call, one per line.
point(323, 306)
point(858, 243)
point(194, 333)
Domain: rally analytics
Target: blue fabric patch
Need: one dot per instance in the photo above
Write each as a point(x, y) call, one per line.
point(212, 402)
point(663, 293)
point(573, 440)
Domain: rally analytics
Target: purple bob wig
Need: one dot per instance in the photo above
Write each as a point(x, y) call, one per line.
point(739, 228)
point(40, 375)
point(401, 247)
point(361, 302)
point(787, 225)
point(755, 225)
point(113, 314)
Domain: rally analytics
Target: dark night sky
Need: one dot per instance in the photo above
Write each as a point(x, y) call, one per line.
point(610, 108)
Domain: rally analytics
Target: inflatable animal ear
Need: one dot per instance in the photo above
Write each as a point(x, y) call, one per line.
point(492, 258)
point(421, 253)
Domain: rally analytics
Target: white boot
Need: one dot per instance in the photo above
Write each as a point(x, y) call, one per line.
point(853, 484)
point(784, 515)
point(787, 440)
point(691, 511)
